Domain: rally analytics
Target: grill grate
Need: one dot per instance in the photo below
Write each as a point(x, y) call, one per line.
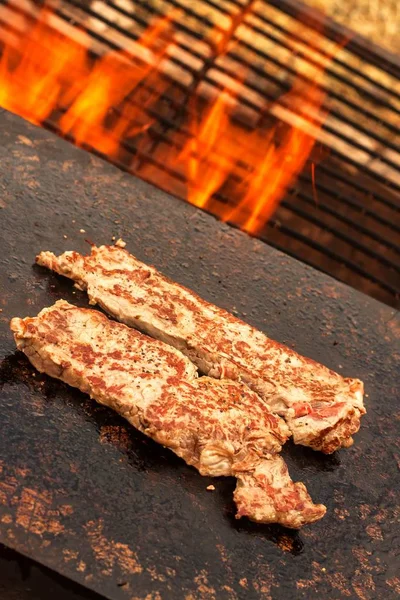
point(343, 214)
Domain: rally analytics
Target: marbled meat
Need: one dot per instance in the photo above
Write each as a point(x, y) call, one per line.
point(219, 427)
point(321, 408)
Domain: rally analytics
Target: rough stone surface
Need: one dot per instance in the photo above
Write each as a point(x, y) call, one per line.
point(88, 496)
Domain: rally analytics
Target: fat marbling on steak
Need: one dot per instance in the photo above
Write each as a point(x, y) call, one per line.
point(321, 408)
point(219, 427)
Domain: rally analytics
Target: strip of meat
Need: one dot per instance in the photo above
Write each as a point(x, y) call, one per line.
point(219, 427)
point(321, 408)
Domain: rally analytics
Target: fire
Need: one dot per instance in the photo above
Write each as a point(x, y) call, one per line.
point(49, 74)
point(106, 103)
point(31, 75)
point(213, 154)
point(205, 177)
point(276, 168)
point(112, 80)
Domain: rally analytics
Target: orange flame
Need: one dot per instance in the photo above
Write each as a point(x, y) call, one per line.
point(102, 105)
point(32, 86)
point(48, 72)
point(110, 82)
point(213, 154)
point(277, 168)
point(205, 178)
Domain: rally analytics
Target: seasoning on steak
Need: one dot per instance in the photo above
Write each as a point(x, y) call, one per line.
point(321, 408)
point(219, 427)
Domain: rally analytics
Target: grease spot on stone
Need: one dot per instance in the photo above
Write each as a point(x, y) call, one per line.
point(25, 140)
point(7, 489)
point(6, 519)
point(394, 583)
point(34, 513)
point(67, 165)
point(375, 532)
point(66, 510)
point(205, 591)
point(109, 552)
point(155, 575)
point(70, 555)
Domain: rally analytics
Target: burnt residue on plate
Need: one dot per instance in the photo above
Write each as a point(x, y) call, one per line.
point(88, 496)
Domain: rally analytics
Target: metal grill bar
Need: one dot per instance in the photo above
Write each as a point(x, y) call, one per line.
point(350, 202)
point(250, 104)
point(290, 232)
point(179, 25)
point(333, 94)
point(326, 208)
point(285, 45)
point(371, 173)
point(356, 44)
point(346, 238)
point(334, 59)
point(265, 56)
point(364, 232)
point(274, 224)
point(332, 111)
point(172, 125)
point(329, 129)
point(336, 176)
point(275, 80)
point(282, 43)
point(176, 174)
point(330, 253)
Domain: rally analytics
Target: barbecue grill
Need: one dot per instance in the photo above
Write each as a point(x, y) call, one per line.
point(88, 503)
point(342, 213)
